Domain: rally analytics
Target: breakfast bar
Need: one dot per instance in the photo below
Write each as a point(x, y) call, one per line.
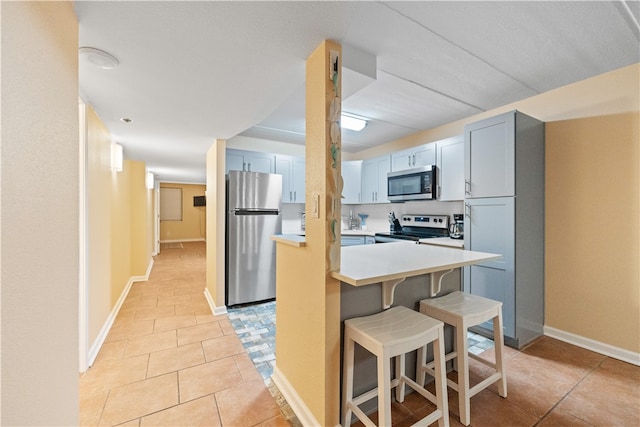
point(392, 263)
point(375, 277)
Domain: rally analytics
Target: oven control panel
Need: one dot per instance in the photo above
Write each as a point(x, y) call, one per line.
point(430, 221)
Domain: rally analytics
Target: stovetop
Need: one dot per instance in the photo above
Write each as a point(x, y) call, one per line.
point(416, 227)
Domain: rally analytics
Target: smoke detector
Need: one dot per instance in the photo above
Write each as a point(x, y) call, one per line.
point(99, 58)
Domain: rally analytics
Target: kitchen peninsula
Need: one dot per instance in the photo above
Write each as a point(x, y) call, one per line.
point(374, 277)
point(391, 263)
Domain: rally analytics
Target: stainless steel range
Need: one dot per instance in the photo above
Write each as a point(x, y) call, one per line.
point(414, 227)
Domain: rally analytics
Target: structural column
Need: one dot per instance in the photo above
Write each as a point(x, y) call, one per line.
point(308, 299)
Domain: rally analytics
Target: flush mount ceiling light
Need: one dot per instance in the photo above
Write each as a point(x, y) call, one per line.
point(98, 57)
point(126, 120)
point(352, 122)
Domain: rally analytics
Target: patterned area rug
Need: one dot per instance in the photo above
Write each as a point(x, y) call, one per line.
point(256, 327)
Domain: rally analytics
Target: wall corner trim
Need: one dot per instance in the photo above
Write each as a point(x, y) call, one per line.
point(593, 345)
point(104, 331)
point(217, 311)
point(293, 398)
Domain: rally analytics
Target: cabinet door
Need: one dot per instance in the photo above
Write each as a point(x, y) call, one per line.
point(283, 167)
point(298, 181)
point(384, 167)
point(369, 181)
point(351, 181)
point(233, 162)
point(401, 160)
point(451, 169)
point(424, 155)
point(260, 162)
point(249, 161)
point(490, 157)
point(489, 226)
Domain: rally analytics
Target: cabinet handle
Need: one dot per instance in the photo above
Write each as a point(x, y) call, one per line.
point(359, 197)
point(294, 196)
point(409, 160)
point(290, 199)
point(467, 186)
point(467, 210)
point(414, 160)
point(244, 167)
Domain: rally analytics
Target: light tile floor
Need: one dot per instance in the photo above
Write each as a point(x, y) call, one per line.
point(168, 362)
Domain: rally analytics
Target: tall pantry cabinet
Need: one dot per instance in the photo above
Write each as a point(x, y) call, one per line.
point(504, 214)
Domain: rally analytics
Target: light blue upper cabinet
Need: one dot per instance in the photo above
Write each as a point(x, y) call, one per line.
point(422, 155)
point(292, 170)
point(451, 168)
point(490, 157)
point(352, 182)
point(298, 179)
point(374, 179)
point(249, 161)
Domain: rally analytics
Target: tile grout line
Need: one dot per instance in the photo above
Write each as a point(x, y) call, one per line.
point(569, 392)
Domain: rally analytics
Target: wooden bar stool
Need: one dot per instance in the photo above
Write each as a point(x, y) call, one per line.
point(388, 334)
point(462, 311)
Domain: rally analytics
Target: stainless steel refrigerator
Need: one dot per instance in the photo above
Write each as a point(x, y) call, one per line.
point(254, 202)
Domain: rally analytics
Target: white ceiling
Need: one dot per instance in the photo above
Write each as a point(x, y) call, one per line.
point(190, 72)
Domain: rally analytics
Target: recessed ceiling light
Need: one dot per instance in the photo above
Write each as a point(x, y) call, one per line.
point(126, 120)
point(98, 57)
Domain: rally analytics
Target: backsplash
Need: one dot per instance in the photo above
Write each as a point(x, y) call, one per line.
point(378, 213)
point(292, 217)
point(377, 220)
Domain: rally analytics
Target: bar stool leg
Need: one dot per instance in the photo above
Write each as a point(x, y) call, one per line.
point(421, 361)
point(463, 374)
point(400, 371)
point(384, 390)
point(440, 378)
point(498, 339)
point(347, 382)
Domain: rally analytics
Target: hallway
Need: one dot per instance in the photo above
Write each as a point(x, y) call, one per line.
point(168, 361)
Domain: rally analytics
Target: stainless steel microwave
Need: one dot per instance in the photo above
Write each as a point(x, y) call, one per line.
point(412, 184)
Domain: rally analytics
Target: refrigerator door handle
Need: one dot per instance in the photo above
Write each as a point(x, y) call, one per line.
point(240, 212)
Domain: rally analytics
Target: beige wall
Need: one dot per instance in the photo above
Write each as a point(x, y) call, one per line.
point(141, 209)
point(120, 239)
point(194, 218)
point(40, 214)
point(216, 224)
point(592, 233)
point(99, 179)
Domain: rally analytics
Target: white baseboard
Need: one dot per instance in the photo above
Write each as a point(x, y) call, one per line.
point(293, 399)
point(593, 345)
point(217, 311)
point(201, 239)
point(104, 331)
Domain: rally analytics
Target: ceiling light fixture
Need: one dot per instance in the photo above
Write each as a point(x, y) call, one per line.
point(352, 122)
point(99, 58)
point(126, 120)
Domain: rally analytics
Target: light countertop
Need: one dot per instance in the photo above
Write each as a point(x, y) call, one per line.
point(444, 241)
point(343, 232)
point(368, 264)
